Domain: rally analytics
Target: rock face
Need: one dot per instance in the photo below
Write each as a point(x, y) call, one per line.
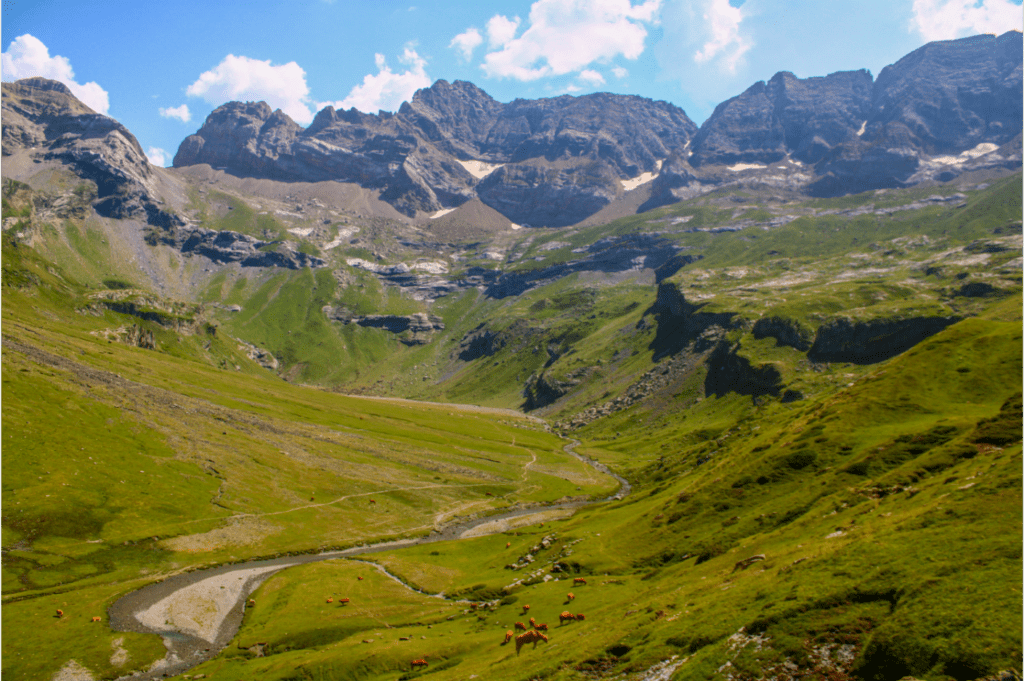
point(42, 118)
point(226, 246)
point(562, 158)
point(843, 340)
point(804, 118)
point(414, 329)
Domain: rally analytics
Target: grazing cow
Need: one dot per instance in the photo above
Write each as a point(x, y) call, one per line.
point(520, 625)
point(533, 622)
point(578, 580)
point(418, 663)
point(565, 617)
point(488, 494)
point(372, 501)
point(60, 613)
point(312, 498)
point(508, 636)
point(540, 627)
point(579, 617)
point(96, 619)
point(532, 636)
point(570, 597)
point(508, 544)
point(360, 579)
point(330, 600)
point(342, 601)
point(526, 609)
point(252, 602)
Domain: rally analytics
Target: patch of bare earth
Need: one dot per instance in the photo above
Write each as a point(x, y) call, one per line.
point(246, 531)
point(72, 671)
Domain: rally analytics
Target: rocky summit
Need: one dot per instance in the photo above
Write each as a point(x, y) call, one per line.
point(554, 162)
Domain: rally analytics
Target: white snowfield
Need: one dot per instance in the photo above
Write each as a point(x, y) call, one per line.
point(443, 211)
point(480, 169)
point(964, 157)
point(642, 178)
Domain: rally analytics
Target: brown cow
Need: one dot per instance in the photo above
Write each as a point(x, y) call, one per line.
point(533, 622)
point(532, 636)
point(252, 602)
point(520, 625)
point(60, 613)
point(96, 619)
point(418, 663)
point(508, 544)
point(526, 609)
point(540, 627)
point(508, 636)
point(578, 580)
point(579, 617)
point(330, 600)
point(343, 601)
point(565, 617)
point(569, 597)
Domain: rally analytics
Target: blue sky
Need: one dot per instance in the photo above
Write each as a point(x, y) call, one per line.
point(160, 68)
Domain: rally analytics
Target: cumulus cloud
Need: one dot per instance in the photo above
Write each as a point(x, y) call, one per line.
point(241, 78)
point(949, 19)
point(27, 56)
point(725, 42)
point(180, 112)
point(501, 30)
point(157, 156)
point(566, 36)
point(591, 77)
point(466, 42)
point(619, 72)
point(386, 90)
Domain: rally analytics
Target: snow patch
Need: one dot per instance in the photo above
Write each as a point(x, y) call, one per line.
point(301, 231)
point(440, 213)
point(863, 127)
point(964, 157)
point(746, 166)
point(642, 178)
point(515, 226)
point(480, 169)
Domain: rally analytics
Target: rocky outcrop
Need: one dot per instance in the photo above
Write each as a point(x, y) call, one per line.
point(785, 332)
point(544, 388)
point(729, 372)
point(226, 246)
point(868, 342)
point(681, 323)
point(43, 119)
point(414, 329)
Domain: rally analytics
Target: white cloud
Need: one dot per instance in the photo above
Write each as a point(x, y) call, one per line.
point(386, 90)
point(466, 42)
point(157, 156)
point(725, 42)
point(180, 112)
point(949, 19)
point(620, 72)
point(27, 56)
point(241, 78)
point(501, 30)
point(591, 77)
point(565, 36)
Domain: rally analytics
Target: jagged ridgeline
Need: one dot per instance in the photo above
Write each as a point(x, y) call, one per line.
point(795, 331)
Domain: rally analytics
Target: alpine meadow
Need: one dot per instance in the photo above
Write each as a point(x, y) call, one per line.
point(567, 388)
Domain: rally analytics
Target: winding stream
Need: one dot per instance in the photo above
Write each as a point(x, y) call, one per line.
point(221, 593)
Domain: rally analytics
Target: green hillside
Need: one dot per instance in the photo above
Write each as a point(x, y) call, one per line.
point(819, 411)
